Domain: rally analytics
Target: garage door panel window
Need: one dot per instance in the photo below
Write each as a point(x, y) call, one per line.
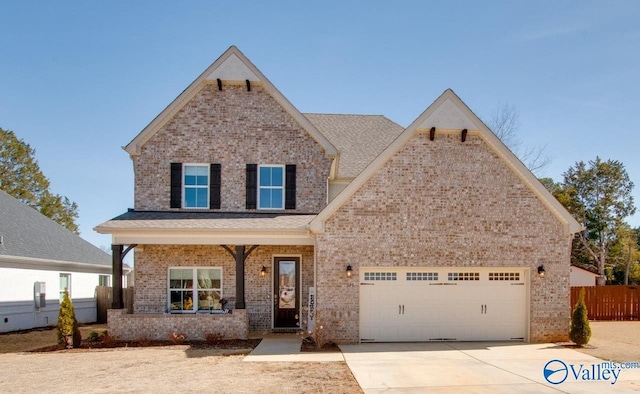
point(428, 276)
point(463, 276)
point(376, 276)
point(504, 276)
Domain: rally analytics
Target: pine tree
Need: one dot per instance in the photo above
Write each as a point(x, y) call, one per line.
point(580, 331)
point(68, 330)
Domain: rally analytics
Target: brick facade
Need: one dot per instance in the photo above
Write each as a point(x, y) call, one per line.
point(444, 203)
point(124, 327)
point(441, 203)
point(232, 127)
point(153, 262)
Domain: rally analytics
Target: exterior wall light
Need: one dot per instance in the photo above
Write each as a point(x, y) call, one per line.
point(349, 271)
point(541, 270)
point(263, 271)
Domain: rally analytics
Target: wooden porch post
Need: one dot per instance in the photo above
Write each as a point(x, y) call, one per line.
point(116, 261)
point(240, 257)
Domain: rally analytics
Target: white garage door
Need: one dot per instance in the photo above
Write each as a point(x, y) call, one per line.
point(436, 304)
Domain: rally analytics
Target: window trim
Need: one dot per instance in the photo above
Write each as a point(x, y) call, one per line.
point(207, 166)
point(61, 291)
point(108, 277)
point(282, 188)
point(194, 270)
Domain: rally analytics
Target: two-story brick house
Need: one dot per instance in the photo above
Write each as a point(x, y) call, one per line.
point(243, 204)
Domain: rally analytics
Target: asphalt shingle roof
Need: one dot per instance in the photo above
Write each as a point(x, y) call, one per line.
point(359, 138)
point(26, 232)
point(208, 221)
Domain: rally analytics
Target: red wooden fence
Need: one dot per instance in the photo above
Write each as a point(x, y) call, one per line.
point(610, 302)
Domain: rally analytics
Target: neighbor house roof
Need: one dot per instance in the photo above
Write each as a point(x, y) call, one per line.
point(358, 138)
point(449, 114)
point(29, 236)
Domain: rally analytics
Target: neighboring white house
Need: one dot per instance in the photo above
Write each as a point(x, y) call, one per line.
point(582, 277)
point(38, 260)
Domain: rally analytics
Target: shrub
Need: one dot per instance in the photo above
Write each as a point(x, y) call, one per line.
point(319, 338)
point(107, 339)
point(68, 331)
point(177, 338)
point(580, 332)
point(93, 337)
point(214, 339)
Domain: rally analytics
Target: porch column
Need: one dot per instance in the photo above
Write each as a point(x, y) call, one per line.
point(240, 257)
point(116, 260)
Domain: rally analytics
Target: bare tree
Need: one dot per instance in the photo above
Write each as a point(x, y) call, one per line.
point(505, 124)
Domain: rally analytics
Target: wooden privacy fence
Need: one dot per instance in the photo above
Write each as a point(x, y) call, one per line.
point(104, 299)
point(619, 302)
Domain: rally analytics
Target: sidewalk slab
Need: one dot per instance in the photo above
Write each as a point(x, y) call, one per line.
point(286, 348)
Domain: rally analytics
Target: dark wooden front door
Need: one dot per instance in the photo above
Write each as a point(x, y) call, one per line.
point(286, 298)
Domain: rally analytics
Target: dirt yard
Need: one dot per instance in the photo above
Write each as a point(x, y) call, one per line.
point(186, 369)
point(164, 369)
point(614, 340)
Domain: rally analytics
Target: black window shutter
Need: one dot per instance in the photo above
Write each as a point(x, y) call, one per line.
point(252, 186)
point(290, 187)
point(214, 189)
point(176, 185)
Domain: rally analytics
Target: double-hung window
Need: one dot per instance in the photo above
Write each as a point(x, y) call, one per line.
point(195, 289)
point(196, 186)
point(271, 187)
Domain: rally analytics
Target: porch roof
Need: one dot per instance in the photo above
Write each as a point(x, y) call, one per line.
point(208, 228)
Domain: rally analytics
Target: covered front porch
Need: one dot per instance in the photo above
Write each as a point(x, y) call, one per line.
point(213, 275)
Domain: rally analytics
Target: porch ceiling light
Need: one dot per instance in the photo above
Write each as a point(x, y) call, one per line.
point(541, 270)
point(263, 271)
point(349, 271)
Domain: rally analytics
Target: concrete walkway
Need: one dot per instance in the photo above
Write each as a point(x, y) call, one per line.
point(286, 347)
point(479, 367)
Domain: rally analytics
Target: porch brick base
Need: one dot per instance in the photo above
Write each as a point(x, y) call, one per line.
point(156, 327)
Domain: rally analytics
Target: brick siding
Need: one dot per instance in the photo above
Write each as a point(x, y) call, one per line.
point(232, 127)
point(130, 327)
point(153, 262)
point(444, 204)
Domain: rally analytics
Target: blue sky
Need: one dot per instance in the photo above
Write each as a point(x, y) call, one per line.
point(80, 79)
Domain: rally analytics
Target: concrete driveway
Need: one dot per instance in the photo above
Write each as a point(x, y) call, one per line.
point(482, 367)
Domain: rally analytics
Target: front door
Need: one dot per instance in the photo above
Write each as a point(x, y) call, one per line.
point(286, 298)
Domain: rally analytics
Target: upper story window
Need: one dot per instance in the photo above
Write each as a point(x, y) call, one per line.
point(271, 187)
point(196, 186)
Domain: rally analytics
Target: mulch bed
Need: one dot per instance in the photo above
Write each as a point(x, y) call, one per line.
point(309, 345)
point(91, 345)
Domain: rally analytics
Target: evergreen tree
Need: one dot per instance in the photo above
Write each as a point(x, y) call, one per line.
point(598, 195)
point(21, 177)
point(580, 332)
point(68, 330)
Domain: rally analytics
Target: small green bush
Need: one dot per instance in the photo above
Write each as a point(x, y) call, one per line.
point(580, 332)
point(68, 331)
point(93, 337)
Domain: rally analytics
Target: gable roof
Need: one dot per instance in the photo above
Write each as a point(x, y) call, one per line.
point(359, 138)
point(27, 235)
point(232, 65)
point(448, 112)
